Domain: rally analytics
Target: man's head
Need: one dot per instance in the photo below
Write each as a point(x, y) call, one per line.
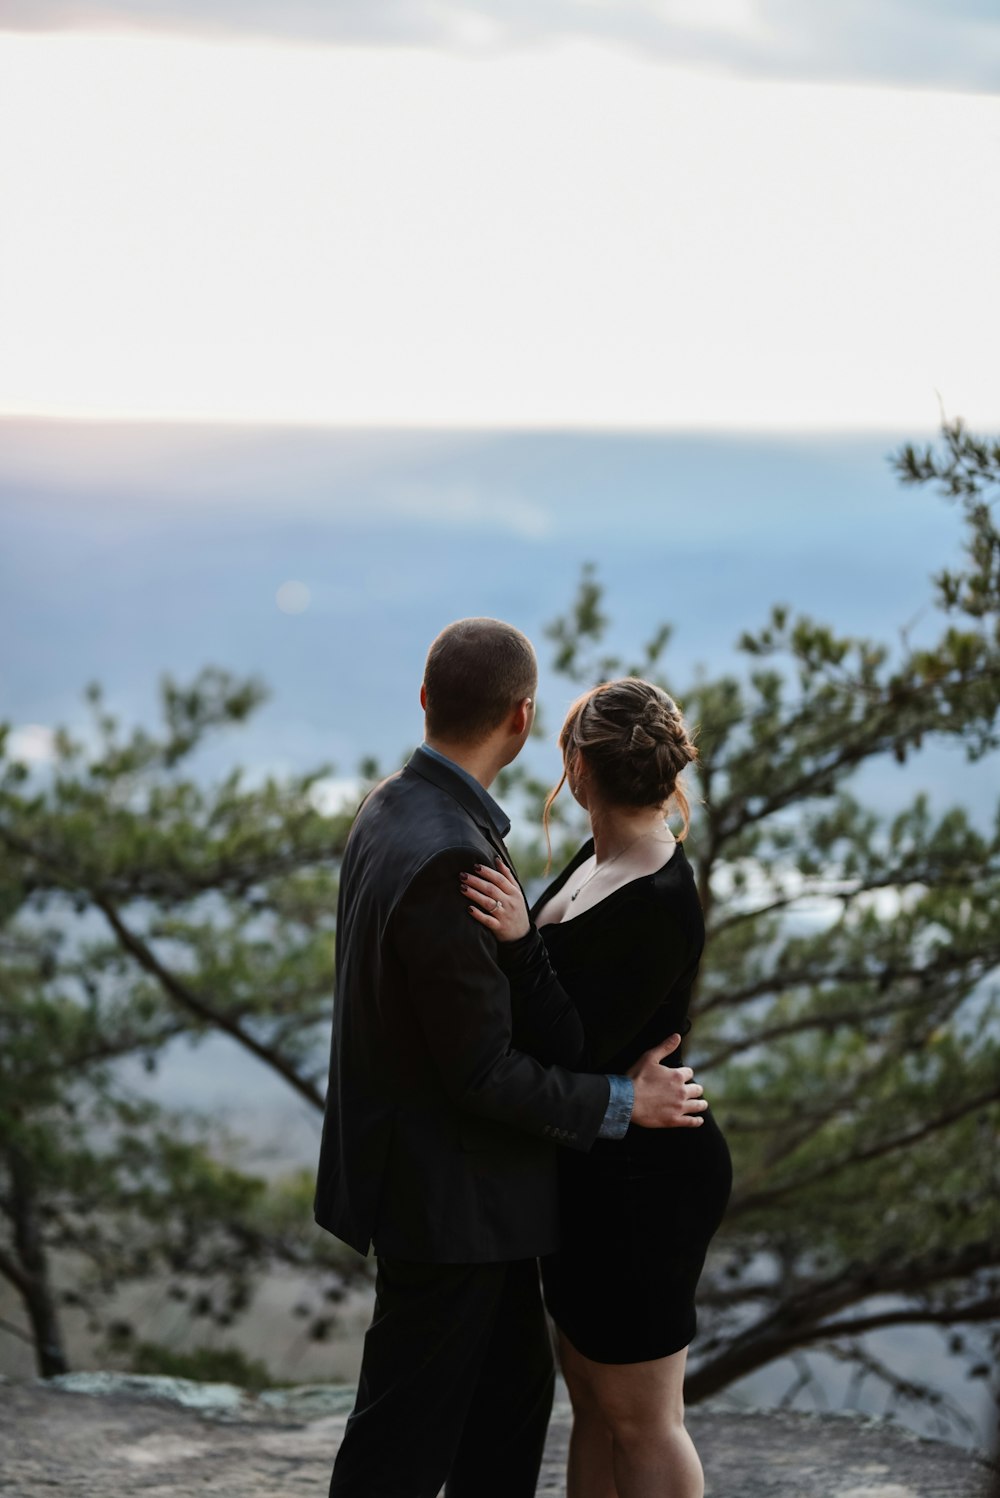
point(480, 676)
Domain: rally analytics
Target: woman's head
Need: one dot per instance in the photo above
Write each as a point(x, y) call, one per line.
point(627, 742)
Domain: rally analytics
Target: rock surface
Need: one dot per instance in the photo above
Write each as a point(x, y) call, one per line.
point(112, 1436)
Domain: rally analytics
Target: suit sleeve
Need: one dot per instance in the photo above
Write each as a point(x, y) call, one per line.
point(463, 1006)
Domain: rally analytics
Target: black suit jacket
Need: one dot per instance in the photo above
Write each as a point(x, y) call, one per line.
point(439, 1136)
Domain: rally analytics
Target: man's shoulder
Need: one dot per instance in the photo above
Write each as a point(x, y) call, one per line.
point(407, 797)
point(414, 822)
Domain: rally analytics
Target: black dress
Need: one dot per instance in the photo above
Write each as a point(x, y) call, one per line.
point(637, 1214)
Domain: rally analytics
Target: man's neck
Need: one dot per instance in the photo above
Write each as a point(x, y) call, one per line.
point(478, 760)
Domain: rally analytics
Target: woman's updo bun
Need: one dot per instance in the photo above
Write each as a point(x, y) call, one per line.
point(634, 743)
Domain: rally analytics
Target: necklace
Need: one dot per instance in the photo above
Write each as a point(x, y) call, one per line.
point(608, 862)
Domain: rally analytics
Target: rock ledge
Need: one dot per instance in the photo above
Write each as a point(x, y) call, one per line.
point(107, 1435)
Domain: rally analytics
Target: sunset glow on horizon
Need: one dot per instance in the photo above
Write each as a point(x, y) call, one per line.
point(261, 232)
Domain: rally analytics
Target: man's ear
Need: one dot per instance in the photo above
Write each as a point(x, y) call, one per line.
point(522, 715)
point(423, 696)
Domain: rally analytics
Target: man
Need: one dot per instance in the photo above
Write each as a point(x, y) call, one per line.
point(439, 1141)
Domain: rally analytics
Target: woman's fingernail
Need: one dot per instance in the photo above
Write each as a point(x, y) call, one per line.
point(479, 868)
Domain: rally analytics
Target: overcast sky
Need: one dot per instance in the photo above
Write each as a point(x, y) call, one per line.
point(687, 213)
point(949, 43)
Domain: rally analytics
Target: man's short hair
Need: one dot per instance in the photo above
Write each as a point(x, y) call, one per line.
point(477, 671)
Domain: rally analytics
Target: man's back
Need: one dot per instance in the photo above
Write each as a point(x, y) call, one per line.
point(436, 1139)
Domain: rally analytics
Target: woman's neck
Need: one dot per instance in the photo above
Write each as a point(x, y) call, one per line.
point(616, 828)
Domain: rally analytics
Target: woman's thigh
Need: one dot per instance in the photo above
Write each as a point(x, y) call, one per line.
point(625, 1396)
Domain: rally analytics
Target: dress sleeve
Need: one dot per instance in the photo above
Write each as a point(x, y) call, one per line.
point(545, 1020)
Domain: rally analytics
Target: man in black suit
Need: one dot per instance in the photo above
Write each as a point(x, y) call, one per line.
point(439, 1139)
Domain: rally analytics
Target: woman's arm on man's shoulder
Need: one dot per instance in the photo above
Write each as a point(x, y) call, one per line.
point(545, 1019)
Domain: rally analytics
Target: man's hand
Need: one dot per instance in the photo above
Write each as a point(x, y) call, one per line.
point(665, 1096)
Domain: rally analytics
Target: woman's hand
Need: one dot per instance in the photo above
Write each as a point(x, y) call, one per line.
point(498, 903)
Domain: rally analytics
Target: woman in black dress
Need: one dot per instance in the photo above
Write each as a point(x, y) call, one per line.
point(621, 931)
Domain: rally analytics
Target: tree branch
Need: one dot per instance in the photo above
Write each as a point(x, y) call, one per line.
point(856, 1018)
point(987, 1309)
point(106, 1051)
point(12, 1271)
point(151, 885)
point(189, 1000)
point(892, 879)
point(754, 1201)
point(801, 1319)
point(16, 1331)
point(945, 963)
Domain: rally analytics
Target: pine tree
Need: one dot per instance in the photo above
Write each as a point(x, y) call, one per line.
point(845, 1026)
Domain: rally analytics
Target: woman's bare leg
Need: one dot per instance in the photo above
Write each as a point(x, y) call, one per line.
point(641, 1405)
point(590, 1468)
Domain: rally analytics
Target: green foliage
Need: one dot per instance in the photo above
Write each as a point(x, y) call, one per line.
point(215, 1365)
point(846, 1025)
point(139, 908)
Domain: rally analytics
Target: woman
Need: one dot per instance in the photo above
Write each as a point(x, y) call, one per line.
point(623, 928)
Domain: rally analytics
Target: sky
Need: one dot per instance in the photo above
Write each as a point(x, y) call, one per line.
point(947, 43)
point(419, 304)
point(748, 215)
point(326, 561)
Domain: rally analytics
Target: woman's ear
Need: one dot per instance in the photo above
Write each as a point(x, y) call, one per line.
point(576, 772)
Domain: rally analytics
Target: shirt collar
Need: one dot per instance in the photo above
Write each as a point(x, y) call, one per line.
point(498, 818)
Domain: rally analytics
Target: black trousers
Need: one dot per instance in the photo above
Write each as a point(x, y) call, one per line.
point(455, 1387)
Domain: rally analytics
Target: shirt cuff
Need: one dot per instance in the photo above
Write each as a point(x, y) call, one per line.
point(620, 1104)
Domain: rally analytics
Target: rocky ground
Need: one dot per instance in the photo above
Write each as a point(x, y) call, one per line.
point(109, 1436)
